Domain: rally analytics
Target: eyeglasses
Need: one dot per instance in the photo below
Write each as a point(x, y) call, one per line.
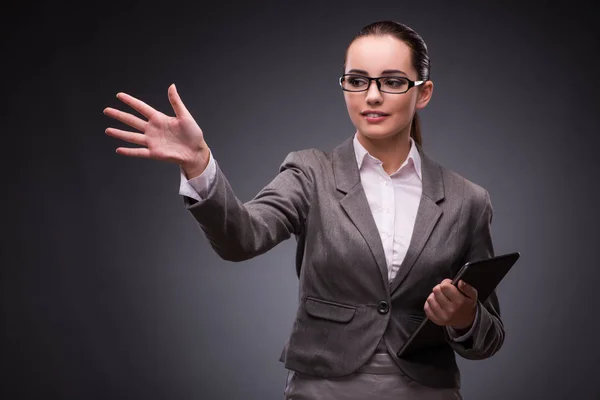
point(385, 84)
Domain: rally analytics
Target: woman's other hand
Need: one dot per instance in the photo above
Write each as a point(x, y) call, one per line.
point(176, 139)
point(448, 305)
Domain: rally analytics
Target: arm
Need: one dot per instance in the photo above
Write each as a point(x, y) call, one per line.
point(238, 231)
point(488, 331)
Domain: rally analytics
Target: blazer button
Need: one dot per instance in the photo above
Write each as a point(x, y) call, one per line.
point(383, 307)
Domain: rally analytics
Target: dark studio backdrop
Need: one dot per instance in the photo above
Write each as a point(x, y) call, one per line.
point(109, 289)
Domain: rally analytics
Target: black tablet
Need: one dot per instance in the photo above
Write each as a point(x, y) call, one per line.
point(484, 275)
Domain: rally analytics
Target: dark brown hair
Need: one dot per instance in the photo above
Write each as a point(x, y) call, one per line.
point(420, 58)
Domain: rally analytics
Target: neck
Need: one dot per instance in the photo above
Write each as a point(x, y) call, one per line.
point(391, 151)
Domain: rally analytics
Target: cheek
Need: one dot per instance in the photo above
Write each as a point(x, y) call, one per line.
point(352, 102)
point(403, 109)
point(354, 107)
point(404, 105)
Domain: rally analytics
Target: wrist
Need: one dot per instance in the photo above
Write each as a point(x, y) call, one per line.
point(461, 330)
point(465, 327)
point(196, 166)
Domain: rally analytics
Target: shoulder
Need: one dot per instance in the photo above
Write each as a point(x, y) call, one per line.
point(324, 161)
point(309, 160)
point(470, 190)
point(461, 190)
point(310, 156)
point(472, 199)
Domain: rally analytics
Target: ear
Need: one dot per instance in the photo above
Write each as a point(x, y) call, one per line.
point(424, 94)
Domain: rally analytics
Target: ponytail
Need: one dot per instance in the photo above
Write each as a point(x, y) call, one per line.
point(415, 130)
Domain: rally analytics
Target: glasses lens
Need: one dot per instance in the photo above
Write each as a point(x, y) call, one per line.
point(355, 83)
point(394, 84)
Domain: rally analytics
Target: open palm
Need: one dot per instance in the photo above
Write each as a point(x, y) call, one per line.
point(176, 139)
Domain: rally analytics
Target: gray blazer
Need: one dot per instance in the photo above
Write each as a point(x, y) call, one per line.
point(346, 304)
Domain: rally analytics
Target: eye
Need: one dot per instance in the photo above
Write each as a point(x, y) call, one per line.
point(357, 81)
point(395, 83)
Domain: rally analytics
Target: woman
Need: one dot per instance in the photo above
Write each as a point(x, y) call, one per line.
point(380, 227)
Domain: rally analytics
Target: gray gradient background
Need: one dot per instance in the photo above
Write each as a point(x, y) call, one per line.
point(109, 289)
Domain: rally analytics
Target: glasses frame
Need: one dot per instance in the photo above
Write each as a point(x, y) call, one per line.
point(376, 79)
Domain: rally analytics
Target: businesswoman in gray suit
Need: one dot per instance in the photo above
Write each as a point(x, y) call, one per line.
point(380, 228)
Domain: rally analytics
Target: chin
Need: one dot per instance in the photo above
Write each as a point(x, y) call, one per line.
point(379, 132)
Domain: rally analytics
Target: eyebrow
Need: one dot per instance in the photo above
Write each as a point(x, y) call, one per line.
point(386, 72)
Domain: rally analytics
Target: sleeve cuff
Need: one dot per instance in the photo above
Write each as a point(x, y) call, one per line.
point(463, 338)
point(198, 188)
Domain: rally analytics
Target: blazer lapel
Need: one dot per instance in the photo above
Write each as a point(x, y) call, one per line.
point(355, 204)
point(428, 214)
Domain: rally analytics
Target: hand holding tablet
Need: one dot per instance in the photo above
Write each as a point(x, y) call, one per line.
point(483, 275)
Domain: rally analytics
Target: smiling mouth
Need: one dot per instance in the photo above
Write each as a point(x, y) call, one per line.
point(374, 118)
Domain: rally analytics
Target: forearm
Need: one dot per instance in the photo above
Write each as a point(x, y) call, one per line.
point(238, 231)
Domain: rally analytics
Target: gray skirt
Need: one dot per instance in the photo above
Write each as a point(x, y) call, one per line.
point(379, 379)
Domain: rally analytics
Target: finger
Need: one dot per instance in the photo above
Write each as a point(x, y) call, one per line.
point(452, 292)
point(468, 290)
point(443, 299)
point(127, 119)
point(176, 102)
point(134, 152)
point(137, 105)
point(131, 137)
point(441, 289)
point(431, 315)
point(436, 309)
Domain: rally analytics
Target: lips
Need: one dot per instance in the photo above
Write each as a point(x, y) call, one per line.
point(374, 116)
point(373, 113)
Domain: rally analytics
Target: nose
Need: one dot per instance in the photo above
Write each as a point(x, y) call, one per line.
point(373, 94)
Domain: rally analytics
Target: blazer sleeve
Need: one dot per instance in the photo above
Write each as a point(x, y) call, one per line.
point(488, 334)
point(239, 231)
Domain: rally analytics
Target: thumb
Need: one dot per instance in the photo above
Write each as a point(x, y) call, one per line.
point(467, 290)
point(176, 102)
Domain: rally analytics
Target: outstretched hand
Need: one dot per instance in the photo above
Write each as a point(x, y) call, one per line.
point(176, 139)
